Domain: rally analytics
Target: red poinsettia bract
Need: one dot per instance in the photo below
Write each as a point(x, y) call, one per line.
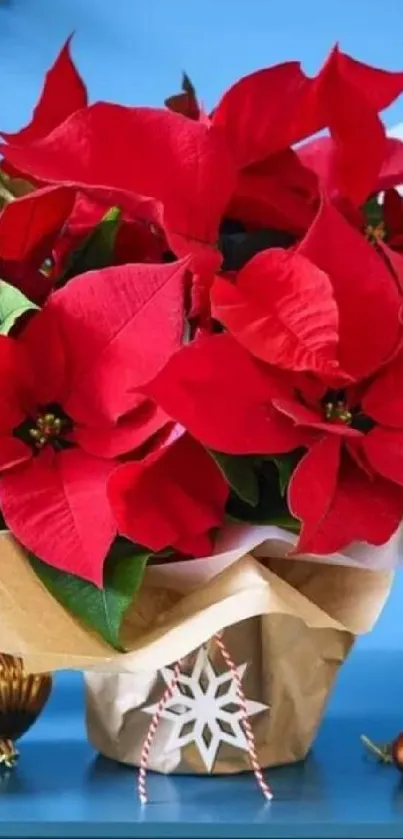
point(275, 108)
point(330, 301)
point(259, 119)
point(138, 239)
point(268, 112)
point(29, 227)
point(366, 173)
point(48, 224)
point(70, 406)
point(356, 491)
point(154, 149)
point(173, 497)
point(298, 371)
point(63, 93)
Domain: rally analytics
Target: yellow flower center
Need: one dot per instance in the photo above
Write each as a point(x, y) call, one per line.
point(337, 412)
point(47, 426)
point(375, 233)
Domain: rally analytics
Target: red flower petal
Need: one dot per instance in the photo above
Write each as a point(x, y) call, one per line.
point(49, 504)
point(206, 258)
point(393, 212)
point(343, 504)
point(392, 167)
point(359, 139)
point(12, 452)
point(199, 545)
point(394, 261)
point(268, 111)
point(351, 161)
point(171, 498)
point(136, 239)
point(278, 192)
point(16, 382)
point(381, 87)
point(63, 93)
point(312, 488)
point(347, 163)
point(43, 340)
point(126, 435)
point(316, 156)
point(311, 389)
point(355, 450)
point(272, 109)
point(383, 448)
point(304, 416)
point(195, 159)
point(107, 319)
point(200, 303)
point(31, 221)
point(282, 310)
point(215, 389)
point(383, 401)
point(365, 291)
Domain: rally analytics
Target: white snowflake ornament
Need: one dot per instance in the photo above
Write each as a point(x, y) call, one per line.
point(205, 709)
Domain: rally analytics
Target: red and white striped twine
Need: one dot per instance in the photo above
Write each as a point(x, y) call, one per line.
point(245, 719)
point(145, 752)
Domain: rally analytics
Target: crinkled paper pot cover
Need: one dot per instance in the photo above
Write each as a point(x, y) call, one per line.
point(183, 604)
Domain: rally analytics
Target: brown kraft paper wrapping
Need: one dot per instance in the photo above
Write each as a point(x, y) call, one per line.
point(292, 621)
point(309, 615)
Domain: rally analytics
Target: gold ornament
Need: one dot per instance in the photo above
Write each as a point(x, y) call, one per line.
point(22, 698)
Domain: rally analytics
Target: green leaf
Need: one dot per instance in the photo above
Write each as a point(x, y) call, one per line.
point(373, 211)
point(13, 304)
point(96, 251)
point(240, 472)
point(271, 507)
point(284, 474)
point(285, 465)
point(101, 610)
point(286, 521)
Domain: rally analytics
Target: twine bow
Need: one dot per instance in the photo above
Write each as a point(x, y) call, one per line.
point(247, 728)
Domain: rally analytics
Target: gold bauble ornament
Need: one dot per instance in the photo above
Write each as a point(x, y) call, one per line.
point(22, 698)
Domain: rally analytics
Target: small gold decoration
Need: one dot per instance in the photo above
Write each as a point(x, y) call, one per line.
point(22, 698)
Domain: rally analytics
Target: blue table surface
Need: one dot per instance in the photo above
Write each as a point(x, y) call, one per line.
point(60, 787)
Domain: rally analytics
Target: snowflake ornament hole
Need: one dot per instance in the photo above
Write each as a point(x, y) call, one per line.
point(207, 735)
point(179, 708)
point(187, 728)
point(225, 727)
point(185, 689)
point(230, 707)
point(222, 689)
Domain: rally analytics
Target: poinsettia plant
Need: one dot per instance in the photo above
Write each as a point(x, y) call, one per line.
point(201, 322)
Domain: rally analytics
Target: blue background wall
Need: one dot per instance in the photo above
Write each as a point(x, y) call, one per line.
point(133, 51)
